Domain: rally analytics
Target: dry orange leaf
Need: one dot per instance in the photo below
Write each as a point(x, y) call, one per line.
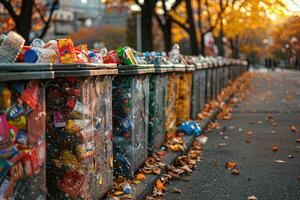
point(274, 148)
point(230, 165)
point(159, 185)
point(235, 172)
point(298, 140)
point(251, 197)
point(118, 193)
point(294, 129)
point(140, 177)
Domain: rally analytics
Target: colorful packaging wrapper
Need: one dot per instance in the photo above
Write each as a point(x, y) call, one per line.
point(22, 141)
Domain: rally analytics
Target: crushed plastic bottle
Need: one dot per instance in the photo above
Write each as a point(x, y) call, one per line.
point(10, 47)
point(190, 128)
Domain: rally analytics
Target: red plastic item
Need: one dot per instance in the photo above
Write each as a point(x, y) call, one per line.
point(34, 127)
point(30, 94)
point(71, 183)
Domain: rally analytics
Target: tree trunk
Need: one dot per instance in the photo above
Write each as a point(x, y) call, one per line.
point(236, 44)
point(232, 48)
point(147, 12)
point(202, 44)
point(192, 30)
point(167, 31)
point(23, 24)
point(221, 33)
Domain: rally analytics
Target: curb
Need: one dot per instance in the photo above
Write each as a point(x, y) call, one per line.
point(145, 188)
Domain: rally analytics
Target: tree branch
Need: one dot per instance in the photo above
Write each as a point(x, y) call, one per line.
point(179, 24)
point(158, 20)
point(176, 4)
point(40, 12)
point(54, 4)
point(10, 9)
point(138, 3)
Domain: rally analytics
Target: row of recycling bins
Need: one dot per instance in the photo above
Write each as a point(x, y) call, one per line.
point(67, 130)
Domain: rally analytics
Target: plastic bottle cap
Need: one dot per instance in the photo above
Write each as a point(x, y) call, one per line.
point(127, 190)
point(30, 56)
point(91, 54)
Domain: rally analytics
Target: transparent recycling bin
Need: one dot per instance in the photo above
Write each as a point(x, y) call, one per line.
point(209, 83)
point(171, 108)
point(184, 95)
point(130, 118)
point(198, 90)
point(23, 121)
point(158, 106)
point(79, 131)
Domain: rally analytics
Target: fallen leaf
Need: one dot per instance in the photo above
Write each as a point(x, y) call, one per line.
point(248, 141)
point(223, 144)
point(159, 185)
point(230, 165)
point(294, 129)
point(298, 140)
point(290, 156)
point(128, 196)
point(140, 177)
point(225, 137)
point(279, 161)
point(275, 148)
point(235, 172)
point(250, 133)
point(251, 197)
point(240, 129)
point(136, 182)
point(259, 122)
point(187, 169)
point(118, 193)
point(176, 190)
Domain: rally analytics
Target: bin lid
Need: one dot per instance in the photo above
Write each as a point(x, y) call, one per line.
point(85, 69)
point(164, 68)
point(84, 66)
point(190, 68)
point(25, 71)
point(136, 69)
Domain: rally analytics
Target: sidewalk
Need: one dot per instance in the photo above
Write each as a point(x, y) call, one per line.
point(276, 95)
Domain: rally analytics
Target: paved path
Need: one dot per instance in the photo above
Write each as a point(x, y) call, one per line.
point(278, 94)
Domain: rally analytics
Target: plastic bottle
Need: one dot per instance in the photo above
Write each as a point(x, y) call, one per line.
point(93, 57)
point(10, 47)
point(126, 188)
point(37, 43)
point(39, 55)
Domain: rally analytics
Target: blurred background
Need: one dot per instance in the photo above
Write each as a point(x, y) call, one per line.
point(265, 32)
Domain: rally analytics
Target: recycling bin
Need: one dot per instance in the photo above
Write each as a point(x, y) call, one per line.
point(23, 121)
point(209, 80)
point(198, 90)
point(171, 108)
point(183, 99)
point(226, 72)
point(214, 80)
point(130, 118)
point(158, 106)
point(220, 77)
point(79, 131)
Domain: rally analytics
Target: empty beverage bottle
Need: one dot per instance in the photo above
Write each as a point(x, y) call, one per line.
point(10, 47)
point(37, 43)
point(39, 55)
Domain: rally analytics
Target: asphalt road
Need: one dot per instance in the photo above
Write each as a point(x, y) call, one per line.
point(278, 94)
